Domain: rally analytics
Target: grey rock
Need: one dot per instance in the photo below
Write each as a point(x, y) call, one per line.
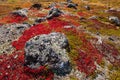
point(54, 12)
point(37, 6)
point(93, 17)
point(9, 33)
point(115, 20)
point(21, 12)
point(69, 1)
point(72, 5)
point(87, 7)
point(50, 50)
point(39, 20)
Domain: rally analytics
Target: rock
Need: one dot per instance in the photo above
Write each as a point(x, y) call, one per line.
point(72, 5)
point(39, 20)
point(69, 26)
point(82, 18)
point(87, 7)
point(37, 6)
point(21, 12)
point(115, 20)
point(11, 31)
point(65, 68)
point(8, 33)
point(93, 17)
point(69, 1)
point(54, 12)
point(50, 50)
point(110, 38)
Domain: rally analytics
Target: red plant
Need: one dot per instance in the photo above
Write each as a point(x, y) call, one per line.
point(85, 63)
point(99, 25)
point(85, 60)
point(57, 24)
point(110, 52)
point(72, 19)
point(82, 14)
point(13, 18)
point(33, 31)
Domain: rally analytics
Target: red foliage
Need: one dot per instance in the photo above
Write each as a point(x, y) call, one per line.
point(41, 15)
point(85, 63)
point(13, 18)
point(82, 14)
point(85, 60)
point(57, 24)
point(72, 19)
point(33, 31)
point(110, 52)
point(99, 25)
point(96, 55)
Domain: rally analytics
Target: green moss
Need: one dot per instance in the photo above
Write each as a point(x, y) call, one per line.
point(110, 32)
point(73, 78)
point(75, 44)
point(115, 75)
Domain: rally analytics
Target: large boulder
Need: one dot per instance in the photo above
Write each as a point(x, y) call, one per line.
point(48, 50)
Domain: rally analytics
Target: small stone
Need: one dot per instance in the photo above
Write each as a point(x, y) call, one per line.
point(72, 5)
point(87, 7)
point(115, 20)
point(8, 66)
point(54, 12)
point(93, 17)
point(15, 56)
point(69, 26)
point(37, 6)
point(39, 20)
point(21, 12)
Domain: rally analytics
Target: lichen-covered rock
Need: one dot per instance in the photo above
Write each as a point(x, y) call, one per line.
point(93, 17)
point(54, 12)
point(37, 6)
point(8, 33)
point(87, 7)
point(72, 5)
point(39, 20)
point(114, 20)
point(48, 50)
point(69, 1)
point(21, 12)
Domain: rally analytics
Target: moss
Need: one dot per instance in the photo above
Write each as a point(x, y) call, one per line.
point(75, 44)
point(93, 76)
point(110, 32)
point(115, 75)
point(102, 64)
point(73, 78)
